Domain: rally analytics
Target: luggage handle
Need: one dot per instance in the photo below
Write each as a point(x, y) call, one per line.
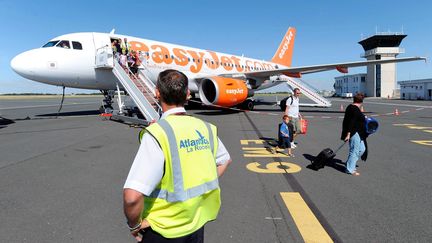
point(337, 150)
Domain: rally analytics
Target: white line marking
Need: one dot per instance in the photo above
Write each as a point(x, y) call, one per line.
point(39, 106)
point(392, 104)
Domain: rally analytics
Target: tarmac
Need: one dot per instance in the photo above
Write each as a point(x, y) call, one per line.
point(62, 175)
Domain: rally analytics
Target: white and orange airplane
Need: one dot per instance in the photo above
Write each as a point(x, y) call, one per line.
point(215, 78)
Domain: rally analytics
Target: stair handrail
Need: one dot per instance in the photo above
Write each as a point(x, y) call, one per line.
point(147, 89)
point(126, 74)
point(147, 80)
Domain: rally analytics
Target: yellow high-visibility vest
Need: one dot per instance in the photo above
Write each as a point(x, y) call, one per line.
point(125, 48)
point(188, 195)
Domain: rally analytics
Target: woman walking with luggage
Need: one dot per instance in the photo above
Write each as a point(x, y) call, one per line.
point(353, 130)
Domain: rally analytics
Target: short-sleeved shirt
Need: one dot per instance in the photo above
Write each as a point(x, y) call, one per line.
point(293, 110)
point(148, 166)
point(284, 130)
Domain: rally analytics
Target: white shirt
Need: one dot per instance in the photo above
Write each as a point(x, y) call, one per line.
point(293, 109)
point(148, 166)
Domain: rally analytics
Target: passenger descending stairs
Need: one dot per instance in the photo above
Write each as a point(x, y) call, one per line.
point(139, 87)
point(141, 92)
point(307, 90)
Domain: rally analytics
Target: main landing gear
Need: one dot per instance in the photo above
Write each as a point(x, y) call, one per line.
point(107, 107)
point(248, 104)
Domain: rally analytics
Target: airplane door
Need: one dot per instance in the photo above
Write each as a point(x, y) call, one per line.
point(103, 51)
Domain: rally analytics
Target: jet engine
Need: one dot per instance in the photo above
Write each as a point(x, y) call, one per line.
point(223, 91)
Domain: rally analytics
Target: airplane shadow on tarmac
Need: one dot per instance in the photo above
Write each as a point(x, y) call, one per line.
point(72, 113)
point(4, 122)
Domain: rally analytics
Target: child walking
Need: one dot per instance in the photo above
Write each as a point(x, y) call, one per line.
point(285, 135)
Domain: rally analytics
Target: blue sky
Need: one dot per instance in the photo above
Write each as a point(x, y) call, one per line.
point(327, 31)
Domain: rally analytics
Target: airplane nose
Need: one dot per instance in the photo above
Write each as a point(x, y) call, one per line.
point(26, 65)
point(18, 64)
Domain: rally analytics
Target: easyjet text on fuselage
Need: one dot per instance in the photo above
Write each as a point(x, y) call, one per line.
point(161, 53)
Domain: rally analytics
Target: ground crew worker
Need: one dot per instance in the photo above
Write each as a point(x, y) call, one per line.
point(172, 189)
point(125, 47)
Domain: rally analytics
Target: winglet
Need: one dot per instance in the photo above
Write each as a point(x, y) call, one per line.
point(112, 31)
point(284, 53)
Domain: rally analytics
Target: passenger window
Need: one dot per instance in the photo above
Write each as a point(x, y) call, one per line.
point(64, 44)
point(51, 43)
point(76, 45)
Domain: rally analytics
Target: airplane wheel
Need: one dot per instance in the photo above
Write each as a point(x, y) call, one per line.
point(248, 105)
point(106, 109)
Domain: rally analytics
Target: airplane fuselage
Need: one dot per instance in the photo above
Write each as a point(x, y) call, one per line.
point(76, 67)
point(73, 60)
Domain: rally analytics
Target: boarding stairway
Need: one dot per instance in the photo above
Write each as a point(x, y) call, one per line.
point(307, 90)
point(139, 87)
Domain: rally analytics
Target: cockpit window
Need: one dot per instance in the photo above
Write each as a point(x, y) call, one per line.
point(76, 45)
point(64, 44)
point(51, 43)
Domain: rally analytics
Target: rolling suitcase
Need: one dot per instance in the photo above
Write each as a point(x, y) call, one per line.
point(323, 157)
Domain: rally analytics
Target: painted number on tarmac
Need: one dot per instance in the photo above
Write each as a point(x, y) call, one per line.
point(267, 152)
point(259, 151)
point(423, 142)
point(274, 167)
point(262, 152)
point(415, 127)
point(247, 142)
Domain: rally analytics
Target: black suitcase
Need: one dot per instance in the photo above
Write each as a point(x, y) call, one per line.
point(323, 157)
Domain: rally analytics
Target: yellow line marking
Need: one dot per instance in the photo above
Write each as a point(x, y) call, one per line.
point(310, 228)
point(419, 127)
point(423, 142)
point(404, 124)
point(274, 167)
point(430, 131)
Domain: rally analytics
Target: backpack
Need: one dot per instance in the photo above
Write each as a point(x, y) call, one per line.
point(282, 103)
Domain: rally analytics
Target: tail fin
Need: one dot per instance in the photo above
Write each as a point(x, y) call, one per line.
point(284, 53)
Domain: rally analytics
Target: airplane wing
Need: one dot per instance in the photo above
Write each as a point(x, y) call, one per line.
point(341, 67)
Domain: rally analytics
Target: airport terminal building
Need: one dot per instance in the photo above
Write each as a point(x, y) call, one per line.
point(350, 84)
point(420, 89)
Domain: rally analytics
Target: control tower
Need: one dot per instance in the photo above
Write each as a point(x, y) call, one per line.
point(381, 78)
